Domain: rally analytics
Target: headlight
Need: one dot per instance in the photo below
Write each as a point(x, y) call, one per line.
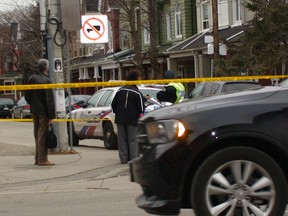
point(160, 132)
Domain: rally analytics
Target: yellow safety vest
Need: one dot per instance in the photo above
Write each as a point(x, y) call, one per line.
point(180, 91)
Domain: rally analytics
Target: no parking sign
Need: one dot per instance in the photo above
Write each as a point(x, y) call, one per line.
point(94, 29)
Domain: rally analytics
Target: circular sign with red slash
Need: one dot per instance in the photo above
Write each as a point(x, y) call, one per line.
point(94, 29)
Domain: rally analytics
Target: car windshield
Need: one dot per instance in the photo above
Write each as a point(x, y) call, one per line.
point(6, 101)
point(150, 92)
point(77, 98)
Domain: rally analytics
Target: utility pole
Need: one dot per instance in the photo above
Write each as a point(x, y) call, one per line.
point(215, 30)
point(55, 41)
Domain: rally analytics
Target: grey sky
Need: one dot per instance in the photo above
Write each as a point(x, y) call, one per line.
point(10, 4)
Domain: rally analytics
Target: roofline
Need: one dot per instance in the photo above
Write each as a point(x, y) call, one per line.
point(233, 36)
point(203, 33)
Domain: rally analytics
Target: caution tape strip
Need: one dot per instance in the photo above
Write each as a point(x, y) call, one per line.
point(57, 120)
point(139, 82)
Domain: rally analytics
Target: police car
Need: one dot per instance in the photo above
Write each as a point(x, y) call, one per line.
point(96, 119)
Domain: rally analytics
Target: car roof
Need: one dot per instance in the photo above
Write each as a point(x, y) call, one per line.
point(231, 81)
point(139, 87)
point(6, 99)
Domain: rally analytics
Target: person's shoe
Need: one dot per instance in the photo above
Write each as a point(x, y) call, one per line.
point(47, 163)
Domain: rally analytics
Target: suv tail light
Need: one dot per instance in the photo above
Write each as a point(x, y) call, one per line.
point(26, 107)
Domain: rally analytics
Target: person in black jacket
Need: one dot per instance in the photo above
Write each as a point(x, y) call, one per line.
point(43, 110)
point(128, 104)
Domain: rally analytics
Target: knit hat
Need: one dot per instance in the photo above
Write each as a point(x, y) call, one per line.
point(133, 75)
point(169, 74)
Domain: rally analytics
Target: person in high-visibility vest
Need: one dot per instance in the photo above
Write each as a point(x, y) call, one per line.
point(173, 92)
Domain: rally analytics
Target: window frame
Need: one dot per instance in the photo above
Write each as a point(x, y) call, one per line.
point(146, 34)
point(178, 22)
point(105, 99)
point(205, 20)
point(237, 10)
point(9, 83)
point(98, 96)
point(168, 26)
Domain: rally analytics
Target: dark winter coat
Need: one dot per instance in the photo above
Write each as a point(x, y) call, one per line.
point(167, 95)
point(41, 100)
point(128, 105)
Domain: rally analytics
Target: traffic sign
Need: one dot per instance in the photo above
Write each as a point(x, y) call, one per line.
point(94, 29)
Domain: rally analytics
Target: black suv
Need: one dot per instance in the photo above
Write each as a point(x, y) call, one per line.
point(6, 105)
point(224, 155)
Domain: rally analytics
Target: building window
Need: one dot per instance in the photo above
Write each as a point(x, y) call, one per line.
point(90, 51)
point(168, 23)
point(205, 15)
point(180, 71)
point(178, 22)
point(92, 6)
point(9, 83)
point(125, 41)
point(146, 34)
point(125, 36)
point(238, 10)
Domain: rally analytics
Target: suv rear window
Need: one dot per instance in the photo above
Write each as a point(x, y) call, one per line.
point(230, 87)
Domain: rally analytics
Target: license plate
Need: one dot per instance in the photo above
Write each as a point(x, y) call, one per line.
point(6, 108)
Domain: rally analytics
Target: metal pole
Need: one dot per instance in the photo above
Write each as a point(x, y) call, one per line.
point(68, 77)
point(56, 75)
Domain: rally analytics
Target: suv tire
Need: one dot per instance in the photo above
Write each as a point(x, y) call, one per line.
point(239, 181)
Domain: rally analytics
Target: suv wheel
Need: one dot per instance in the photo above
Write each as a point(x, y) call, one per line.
point(239, 181)
point(109, 136)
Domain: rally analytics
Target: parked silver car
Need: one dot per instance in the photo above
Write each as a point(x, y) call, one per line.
point(96, 120)
point(21, 110)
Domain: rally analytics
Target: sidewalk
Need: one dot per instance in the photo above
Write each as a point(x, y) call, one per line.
point(15, 169)
point(17, 147)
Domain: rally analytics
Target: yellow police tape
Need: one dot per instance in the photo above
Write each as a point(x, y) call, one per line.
point(56, 120)
point(138, 82)
point(120, 83)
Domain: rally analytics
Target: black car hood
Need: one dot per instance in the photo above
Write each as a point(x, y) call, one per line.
point(209, 102)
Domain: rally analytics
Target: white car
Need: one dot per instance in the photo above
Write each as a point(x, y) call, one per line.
point(96, 120)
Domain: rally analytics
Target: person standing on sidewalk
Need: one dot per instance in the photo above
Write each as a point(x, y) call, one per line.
point(43, 110)
point(128, 104)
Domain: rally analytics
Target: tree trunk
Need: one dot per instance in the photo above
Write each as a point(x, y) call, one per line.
point(152, 8)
